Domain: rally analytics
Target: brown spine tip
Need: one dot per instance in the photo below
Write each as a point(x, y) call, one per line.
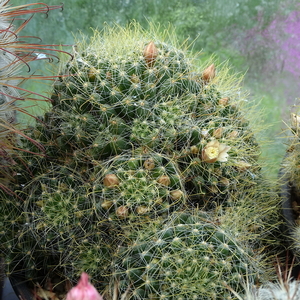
point(209, 73)
point(150, 54)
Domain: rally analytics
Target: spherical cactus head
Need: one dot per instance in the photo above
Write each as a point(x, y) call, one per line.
point(137, 186)
point(184, 257)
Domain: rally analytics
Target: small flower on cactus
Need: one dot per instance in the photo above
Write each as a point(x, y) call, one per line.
point(214, 151)
point(84, 290)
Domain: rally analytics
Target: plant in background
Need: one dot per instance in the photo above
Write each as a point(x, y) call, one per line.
point(290, 188)
point(286, 287)
point(137, 132)
point(16, 54)
point(274, 51)
point(275, 291)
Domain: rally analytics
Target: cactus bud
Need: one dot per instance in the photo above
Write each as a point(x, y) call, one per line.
point(111, 181)
point(233, 134)
point(243, 166)
point(134, 78)
point(150, 54)
point(295, 121)
point(176, 195)
point(84, 290)
point(122, 212)
point(107, 204)
point(223, 101)
point(141, 210)
point(92, 73)
point(149, 164)
point(194, 150)
point(164, 180)
point(209, 73)
point(225, 181)
point(218, 132)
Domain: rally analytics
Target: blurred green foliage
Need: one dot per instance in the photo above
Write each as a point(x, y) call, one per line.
point(210, 26)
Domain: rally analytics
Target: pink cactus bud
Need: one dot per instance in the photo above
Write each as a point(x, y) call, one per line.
point(84, 290)
point(150, 54)
point(209, 73)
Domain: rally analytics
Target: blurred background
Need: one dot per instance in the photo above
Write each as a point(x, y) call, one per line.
point(259, 38)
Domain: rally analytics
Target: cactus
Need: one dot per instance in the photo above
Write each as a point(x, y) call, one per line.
point(133, 187)
point(58, 221)
point(290, 188)
point(15, 55)
point(15, 58)
point(125, 92)
point(186, 257)
point(137, 131)
point(289, 290)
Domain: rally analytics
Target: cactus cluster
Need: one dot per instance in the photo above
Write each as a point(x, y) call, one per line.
point(138, 135)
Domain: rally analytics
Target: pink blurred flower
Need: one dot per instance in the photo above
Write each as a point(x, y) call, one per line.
point(84, 290)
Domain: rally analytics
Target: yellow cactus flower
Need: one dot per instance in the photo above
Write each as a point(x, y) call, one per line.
point(215, 151)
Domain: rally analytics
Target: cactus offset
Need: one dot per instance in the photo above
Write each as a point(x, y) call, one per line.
point(133, 187)
point(187, 257)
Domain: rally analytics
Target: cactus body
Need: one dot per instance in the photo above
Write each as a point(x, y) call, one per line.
point(290, 188)
point(140, 185)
